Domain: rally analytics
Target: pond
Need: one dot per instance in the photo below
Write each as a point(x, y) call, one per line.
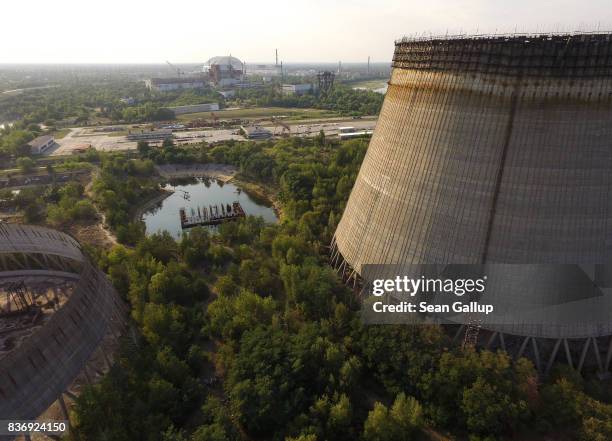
point(378, 88)
point(194, 193)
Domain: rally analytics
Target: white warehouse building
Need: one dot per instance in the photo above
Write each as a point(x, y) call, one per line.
point(168, 84)
point(297, 89)
point(195, 108)
point(40, 145)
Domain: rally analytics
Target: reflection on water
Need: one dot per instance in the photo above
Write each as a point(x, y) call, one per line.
point(191, 193)
point(382, 90)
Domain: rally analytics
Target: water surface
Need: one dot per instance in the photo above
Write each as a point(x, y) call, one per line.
point(201, 192)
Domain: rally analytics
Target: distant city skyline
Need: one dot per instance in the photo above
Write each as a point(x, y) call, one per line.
point(65, 31)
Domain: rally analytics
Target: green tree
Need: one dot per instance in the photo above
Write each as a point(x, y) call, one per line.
point(407, 413)
point(379, 426)
point(15, 142)
point(164, 325)
point(218, 426)
point(481, 391)
point(310, 437)
point(25, 164)
point(143, 148)
point(231, 316)
point(226, 287)
point(195, 246)
point(51, 171)
point(320, 139)
point(401, 423)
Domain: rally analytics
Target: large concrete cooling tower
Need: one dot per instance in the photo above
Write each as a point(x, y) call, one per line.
point(489, 150)
point(56, 310)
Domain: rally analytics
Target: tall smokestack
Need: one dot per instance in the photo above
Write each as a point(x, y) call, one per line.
point(276, 64)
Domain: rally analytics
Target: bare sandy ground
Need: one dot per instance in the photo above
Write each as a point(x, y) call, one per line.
point(81, 138)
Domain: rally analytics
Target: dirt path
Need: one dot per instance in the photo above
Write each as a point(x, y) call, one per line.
point(108, 236)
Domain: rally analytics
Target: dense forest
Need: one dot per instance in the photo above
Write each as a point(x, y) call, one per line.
point(14, 139)
point(342, 99)
point(248, 334)
point(79, 102)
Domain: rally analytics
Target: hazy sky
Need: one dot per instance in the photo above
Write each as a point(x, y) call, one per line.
point(135, 31)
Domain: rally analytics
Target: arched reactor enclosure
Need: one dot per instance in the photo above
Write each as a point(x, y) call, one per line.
point(56, 309)
point(492, 149)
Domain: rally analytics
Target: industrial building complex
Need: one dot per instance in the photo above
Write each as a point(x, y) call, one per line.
point(297, 89)
point(56, 310)
point(168, 84)
point(194, 108)
point(220, 72)
point(224, 71)
point(493, 150)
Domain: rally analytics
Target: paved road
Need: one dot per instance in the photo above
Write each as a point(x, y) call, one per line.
point(83, 137)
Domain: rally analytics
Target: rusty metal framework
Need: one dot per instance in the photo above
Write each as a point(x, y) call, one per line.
point(325, 81)
point(594, 352)
point(541, 55)
point(39, 370)
point(578, 353)
point(18, 299)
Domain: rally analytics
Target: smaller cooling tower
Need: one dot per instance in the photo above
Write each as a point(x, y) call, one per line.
point(55, 310)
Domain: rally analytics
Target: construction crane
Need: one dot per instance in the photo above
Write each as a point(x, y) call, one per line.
point(179, 72)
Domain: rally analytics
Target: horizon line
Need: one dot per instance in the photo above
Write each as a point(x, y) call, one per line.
point(162, 63)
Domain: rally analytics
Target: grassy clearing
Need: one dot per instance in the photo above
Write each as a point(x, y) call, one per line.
point(42, 171)
point(59, 134)
point(263, 112)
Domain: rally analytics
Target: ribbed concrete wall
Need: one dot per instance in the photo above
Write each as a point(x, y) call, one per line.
point(29, 239)
point(488, 151)
point(466, 166)
point(35, 373)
